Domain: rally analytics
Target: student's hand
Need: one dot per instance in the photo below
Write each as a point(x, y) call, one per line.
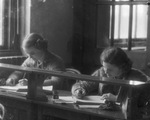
point(79, 93)
point(22, 82)
point(10, 82)
point(109, 97)
point(102, 72)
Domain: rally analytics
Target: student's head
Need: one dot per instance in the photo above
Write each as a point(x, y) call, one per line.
point(34, 45)
point(115, 62)
point(2, 112)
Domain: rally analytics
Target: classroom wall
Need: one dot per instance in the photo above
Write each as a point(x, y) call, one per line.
point(54, 19)
point(138, 58)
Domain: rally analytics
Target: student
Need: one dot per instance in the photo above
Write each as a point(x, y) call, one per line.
point(117, 65)
point(36, 48)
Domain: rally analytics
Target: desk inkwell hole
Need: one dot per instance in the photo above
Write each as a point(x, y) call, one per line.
point(55, 94)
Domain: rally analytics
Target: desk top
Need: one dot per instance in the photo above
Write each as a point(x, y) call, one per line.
point(92, 111)
point(72, 107)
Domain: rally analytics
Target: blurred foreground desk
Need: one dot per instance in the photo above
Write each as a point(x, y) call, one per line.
point(35, 105)
point(20, 108)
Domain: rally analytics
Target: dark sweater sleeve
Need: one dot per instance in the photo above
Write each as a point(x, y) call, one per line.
point(87, 86)
point(140, 92)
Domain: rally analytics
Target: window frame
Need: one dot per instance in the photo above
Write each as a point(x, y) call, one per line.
point(131, 3)
point(15, 27)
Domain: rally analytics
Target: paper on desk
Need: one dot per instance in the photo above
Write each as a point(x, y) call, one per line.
point(23, 88)
point(49, 88)
point(88, 106)
point(92, 99)
point(13, 88)
point(64, 99)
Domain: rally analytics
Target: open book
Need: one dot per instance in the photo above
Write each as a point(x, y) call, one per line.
point(92, 99)
point(88, 100)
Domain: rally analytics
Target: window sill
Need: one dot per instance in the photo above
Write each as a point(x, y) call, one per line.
point(136, 49)
point(9, 53)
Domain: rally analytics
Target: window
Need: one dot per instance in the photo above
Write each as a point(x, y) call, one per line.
point(9, 23)
point(128, 24)
point(13, 17)
point(1, 22)
point(124, 25)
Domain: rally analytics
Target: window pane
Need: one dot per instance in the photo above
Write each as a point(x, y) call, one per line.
point(139, 21)
point(121, 21)
point(1, 22)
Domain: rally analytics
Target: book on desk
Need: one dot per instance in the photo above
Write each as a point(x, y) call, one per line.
point(23, 89)
point(90, 101)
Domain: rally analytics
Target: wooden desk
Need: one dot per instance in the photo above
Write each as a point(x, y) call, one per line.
point(47, 108)
point(20, 108)
point(71, 111)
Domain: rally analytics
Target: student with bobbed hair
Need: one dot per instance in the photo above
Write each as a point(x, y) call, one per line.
point(36, 48)
point(117, 57)
point(116, 65)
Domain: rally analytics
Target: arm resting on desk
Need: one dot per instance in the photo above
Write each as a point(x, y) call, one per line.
point(14, 77)
point(56, 82)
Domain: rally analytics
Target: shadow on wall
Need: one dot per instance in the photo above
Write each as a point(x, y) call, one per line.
point(53, 19)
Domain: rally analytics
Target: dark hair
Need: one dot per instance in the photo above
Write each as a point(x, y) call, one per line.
point(35, 40)
point(116, 56)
